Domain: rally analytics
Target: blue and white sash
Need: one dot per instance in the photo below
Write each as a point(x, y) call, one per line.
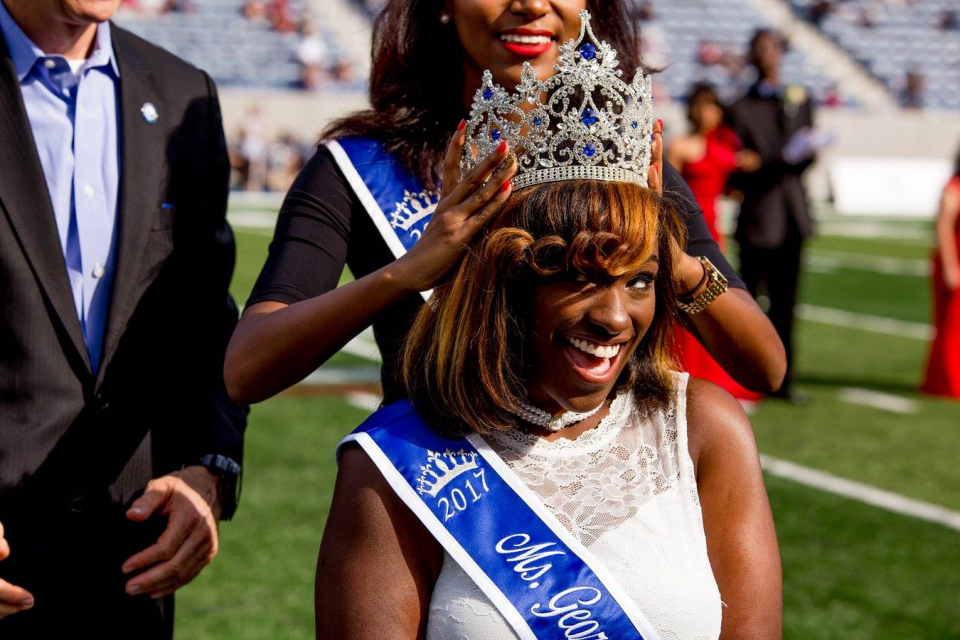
point(395, 200)
point(542, 580)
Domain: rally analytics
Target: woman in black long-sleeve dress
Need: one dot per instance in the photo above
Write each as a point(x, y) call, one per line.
point(427, 64)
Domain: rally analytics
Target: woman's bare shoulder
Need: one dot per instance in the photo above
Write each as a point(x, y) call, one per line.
point(716, 422)
point(682, 149)
point(366, 510)
point(377, 563)
point(365, 491)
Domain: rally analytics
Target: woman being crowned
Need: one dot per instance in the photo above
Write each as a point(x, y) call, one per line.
point(549, 475)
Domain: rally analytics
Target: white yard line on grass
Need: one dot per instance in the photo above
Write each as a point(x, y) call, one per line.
point(861, 492)
point(253, 231)
point(364, 346)
point(801, 475)
point(822, 260)
point(343, 375)
point(874, 231)
point(361, 400)
point(865, 322)
point(248, 220)
point(877, 400)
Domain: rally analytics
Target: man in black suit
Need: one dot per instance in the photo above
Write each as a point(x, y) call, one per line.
point(776, 121)
point(119, 448)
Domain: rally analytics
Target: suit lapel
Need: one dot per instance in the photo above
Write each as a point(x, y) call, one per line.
point(141, 165)
point(25, 200)
point(768, 125)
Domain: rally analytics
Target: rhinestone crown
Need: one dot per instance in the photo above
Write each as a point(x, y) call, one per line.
point(584, 122)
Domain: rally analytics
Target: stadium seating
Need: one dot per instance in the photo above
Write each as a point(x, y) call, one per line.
point(894, 39)
point(675, 30)
point(235, 50)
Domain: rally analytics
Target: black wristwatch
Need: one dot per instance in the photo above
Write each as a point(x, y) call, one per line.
point(228, 471)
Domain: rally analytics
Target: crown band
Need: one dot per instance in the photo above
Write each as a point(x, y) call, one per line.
point(576, 172)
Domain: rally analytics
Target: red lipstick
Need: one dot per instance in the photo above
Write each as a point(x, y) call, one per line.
point(526, 43)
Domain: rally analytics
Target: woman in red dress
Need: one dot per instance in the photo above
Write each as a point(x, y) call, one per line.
point(943, 368)
point(706, 158)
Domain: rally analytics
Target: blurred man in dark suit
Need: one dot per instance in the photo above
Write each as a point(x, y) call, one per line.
point(119, 448)
point(776, 121)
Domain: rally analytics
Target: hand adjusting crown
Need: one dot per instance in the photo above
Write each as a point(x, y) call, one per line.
point(584, 122)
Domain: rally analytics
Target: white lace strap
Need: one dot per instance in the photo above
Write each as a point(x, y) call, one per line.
point(680, 416)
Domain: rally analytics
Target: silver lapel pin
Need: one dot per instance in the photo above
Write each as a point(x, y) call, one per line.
point(149, 113)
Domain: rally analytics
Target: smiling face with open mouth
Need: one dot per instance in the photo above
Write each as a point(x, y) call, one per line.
point(500, 35)
point(583, 333)
point(568, 298)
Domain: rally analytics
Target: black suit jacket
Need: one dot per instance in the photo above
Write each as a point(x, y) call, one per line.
point(68, 437)
point(774, 198)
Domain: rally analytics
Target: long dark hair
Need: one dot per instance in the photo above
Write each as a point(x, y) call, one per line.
point(704, 91)
point(416, 79)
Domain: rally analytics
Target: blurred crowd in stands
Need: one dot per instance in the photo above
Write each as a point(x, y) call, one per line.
point(371, 7)
point(262, 160)
point(869, 14)
point(696, 41)
point(691, 41)
point(913, 46)
point(730, 57)
point(155, 7)
point(318, 61)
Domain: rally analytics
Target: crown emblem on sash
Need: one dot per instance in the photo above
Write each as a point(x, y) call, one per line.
point(413, 208)
point(442, 468)
point(584, 122)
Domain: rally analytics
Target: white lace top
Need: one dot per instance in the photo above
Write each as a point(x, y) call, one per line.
point(626, 490)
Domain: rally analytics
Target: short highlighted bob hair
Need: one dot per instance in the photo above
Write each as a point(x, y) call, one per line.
point(466, 358)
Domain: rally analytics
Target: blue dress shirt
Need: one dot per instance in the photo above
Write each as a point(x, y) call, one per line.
point(72, 108)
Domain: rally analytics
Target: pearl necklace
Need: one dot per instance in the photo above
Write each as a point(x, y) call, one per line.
point(540, 418)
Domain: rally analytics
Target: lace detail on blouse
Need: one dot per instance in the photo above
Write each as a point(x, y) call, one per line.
point(627, 491)
point(527, 443)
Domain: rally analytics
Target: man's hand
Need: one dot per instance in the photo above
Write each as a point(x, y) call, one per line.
point(13, 599)
point(748, 161)
point(190, 499)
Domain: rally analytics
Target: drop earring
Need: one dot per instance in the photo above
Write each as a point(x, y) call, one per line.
point(444, 18)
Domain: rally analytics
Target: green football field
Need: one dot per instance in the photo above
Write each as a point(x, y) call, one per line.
point(851, 570)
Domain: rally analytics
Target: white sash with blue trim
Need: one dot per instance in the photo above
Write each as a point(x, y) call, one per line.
point(395, 200)
point(540, 578)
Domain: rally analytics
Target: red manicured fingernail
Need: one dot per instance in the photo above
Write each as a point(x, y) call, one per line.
point(502, 147)
point(660, 122)
point(463, 123)
point(505, 186)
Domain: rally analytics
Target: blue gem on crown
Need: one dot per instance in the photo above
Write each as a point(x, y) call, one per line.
point(583, 122)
